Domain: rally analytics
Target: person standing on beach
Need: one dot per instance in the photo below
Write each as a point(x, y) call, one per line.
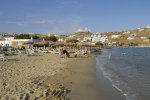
point(65, 52)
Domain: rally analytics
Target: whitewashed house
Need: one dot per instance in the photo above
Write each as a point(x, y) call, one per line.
point(130, 38)
point(115, 36)
point(7, 41)
point(72, 36)
point(143, 37)
point(87, 39)
point(60, 40)
point(79, 39)
point(99, 38)
point(133, 35)
point(127, 32)
point(103, 39)
point(49, 35)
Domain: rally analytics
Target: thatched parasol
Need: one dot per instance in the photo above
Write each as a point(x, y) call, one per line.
point(28, 42)
point(59, 44)
point(51, 43)
point(85, 44)
point(44, 43)
point(70, 44)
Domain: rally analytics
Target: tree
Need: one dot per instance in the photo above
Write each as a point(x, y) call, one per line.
point(35, 37)
point(72, 41)
point(51, 38)
point(99, 44)
point(133, 44)
point(23, 36)
point(121, 44)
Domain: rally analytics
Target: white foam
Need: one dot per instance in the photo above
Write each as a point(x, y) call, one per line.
point(115, 83)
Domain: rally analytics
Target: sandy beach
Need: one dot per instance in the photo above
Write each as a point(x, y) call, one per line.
point(34, 77)
point(83, 79)
point(30, 76)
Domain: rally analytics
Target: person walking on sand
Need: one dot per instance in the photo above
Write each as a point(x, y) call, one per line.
point(65, 52)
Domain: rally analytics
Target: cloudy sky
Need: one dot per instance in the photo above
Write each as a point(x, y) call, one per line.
point(66, 16)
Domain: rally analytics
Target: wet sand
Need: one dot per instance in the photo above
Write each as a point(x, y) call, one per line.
point(86, 83)
point(108, 91)
point(83, 79)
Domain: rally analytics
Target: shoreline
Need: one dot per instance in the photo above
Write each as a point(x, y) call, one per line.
point(88, 84)
point(127, 47)
point(82, 79)
point(109, 92)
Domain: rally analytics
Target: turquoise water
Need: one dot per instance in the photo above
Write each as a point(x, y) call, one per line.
point(128, 69)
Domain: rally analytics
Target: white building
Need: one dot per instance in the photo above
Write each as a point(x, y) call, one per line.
point(130, 38)
point(79, 39)
point(87, 39)
point(143, 37)
point(7, 41)
point(72, 36)
point(49, 35)
point(60, 40)
point(127, 32)
point(103, 39)
point(99, 38)
point(115, 36)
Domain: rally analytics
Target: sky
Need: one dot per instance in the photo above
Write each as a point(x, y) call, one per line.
point(68, 16)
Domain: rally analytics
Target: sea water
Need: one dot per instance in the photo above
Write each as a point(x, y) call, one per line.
point(128, 69)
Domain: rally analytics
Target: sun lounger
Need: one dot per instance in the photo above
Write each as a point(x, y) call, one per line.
point(30, 52)
point(2, 57)
point(21, 53)
point(42, 51)
point(54, 51)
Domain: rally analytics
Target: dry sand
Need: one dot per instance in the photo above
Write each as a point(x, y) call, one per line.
point(29, 77)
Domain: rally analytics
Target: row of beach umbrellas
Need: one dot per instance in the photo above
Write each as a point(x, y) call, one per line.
point(47, 43)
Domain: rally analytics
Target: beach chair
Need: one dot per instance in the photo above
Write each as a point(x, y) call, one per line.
point(21, 53)
point(30, 52)
point(54, 51)
point(2, 57)
point(42, 51)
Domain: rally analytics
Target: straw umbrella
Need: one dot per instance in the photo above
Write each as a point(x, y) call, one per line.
point(43, 43)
